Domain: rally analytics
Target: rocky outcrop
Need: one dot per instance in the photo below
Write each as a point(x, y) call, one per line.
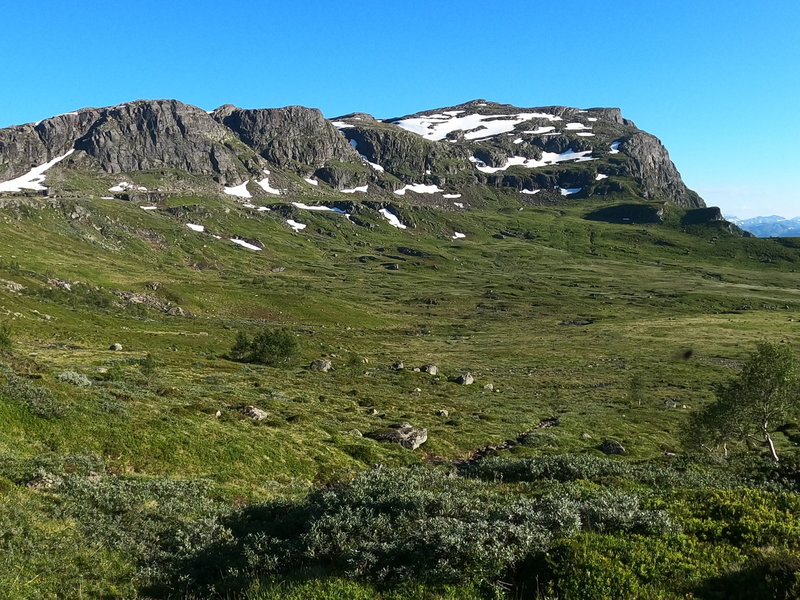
point(649, 163)
point(166, 134)
point(287, 136)
point(404, 434)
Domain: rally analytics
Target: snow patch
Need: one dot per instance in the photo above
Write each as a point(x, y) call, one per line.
point(451, 196)
point(375, 166)
point(529, 192)
point(295, 225)
point(239, 191)
point(310, 207)
point(548, 158)
point(542, 129)
point(33, 179)
point(124, 185)
point(149, 207)
point(518, 141)
point(392, 218)
point(600, 176)
point(615, 147)
point(311, 180)
point(477, 126)
point(362, 189)
point(106, 197)
point(583, 134)
point(341, 124)
point(244, 244)
point(592, 119)
point(568, 191)
point(195, 227)
point(458, 236)
point(577, 126)
point(264, 185)
point(419, 188)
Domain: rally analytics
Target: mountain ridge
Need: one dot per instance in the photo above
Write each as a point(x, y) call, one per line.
point(520, 150)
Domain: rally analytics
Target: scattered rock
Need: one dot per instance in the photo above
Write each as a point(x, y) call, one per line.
point(465, 379)
point(43, 482)
point(115, 347)
point(254, 413)
point(404, 434)
point(218, 414)
point(489, 387)
point(610, 446)
point(398, 366)
point(322, 365)
point(430, 369)
point(442, 413)
point(278, 269)
point(355, 432)
point(586, 436)
point(393, 266)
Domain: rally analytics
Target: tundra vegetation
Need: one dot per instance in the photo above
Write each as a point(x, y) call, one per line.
point(144, 471)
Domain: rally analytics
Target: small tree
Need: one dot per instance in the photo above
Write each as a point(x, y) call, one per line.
point(268, 347)
point(751, 406)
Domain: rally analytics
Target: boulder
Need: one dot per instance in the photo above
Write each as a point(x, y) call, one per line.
point(321, 365)
point(442, 413)
point(465, 379)
point(115, 347)
point(488, 387)
point(398, 366)
point(430, 369)
point(254, 413)
point(404, 434)
point(610, 446)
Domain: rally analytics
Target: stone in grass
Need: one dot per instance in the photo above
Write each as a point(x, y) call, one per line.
point(398, 366)
point(254, 413)
point(430, 369)
point(442, 413)
point(322, 365)
point(116, 347)
point(404, 434)
point(610, 446)
point(488, 387)
point(465, 379)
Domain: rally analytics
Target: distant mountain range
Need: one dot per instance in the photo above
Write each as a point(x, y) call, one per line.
point(771, 226)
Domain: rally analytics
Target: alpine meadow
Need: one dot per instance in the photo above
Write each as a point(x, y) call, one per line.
point(475, 352)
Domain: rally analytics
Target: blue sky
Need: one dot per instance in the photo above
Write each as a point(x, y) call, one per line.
point(717, 81)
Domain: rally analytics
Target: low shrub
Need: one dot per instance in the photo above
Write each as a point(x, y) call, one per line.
point(268, 347)
point(78, 379)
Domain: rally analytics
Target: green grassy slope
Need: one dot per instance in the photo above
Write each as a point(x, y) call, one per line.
point(587, 320)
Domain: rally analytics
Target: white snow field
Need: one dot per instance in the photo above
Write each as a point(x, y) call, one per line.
point(477, 126)
point(548, 158)
point(244, 244)
point(33, 179)
point(240, 191)
point(392, 218)
point(195, 227)
point(419, 188)
point(264, 185)
point(361, 188)
point(295, 225)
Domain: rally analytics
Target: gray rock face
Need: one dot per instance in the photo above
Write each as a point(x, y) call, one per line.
point(404, 434)
point(286, 136)
point(166, 134)
point(650, 164)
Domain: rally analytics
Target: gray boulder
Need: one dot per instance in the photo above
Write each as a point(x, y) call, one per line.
point(404, 434)
point(116, 347)
point(465, 379)
point(610, 446)
point(254, 413)
point(321, 365)
point(430, 369)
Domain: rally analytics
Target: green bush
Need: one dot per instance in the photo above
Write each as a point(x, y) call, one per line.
point(268, 347)
point(37, 400)
point(6, 341)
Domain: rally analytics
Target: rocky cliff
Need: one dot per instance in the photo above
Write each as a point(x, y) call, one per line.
point(555, 150)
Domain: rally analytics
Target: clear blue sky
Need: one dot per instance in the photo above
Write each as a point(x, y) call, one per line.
point(717, 81)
